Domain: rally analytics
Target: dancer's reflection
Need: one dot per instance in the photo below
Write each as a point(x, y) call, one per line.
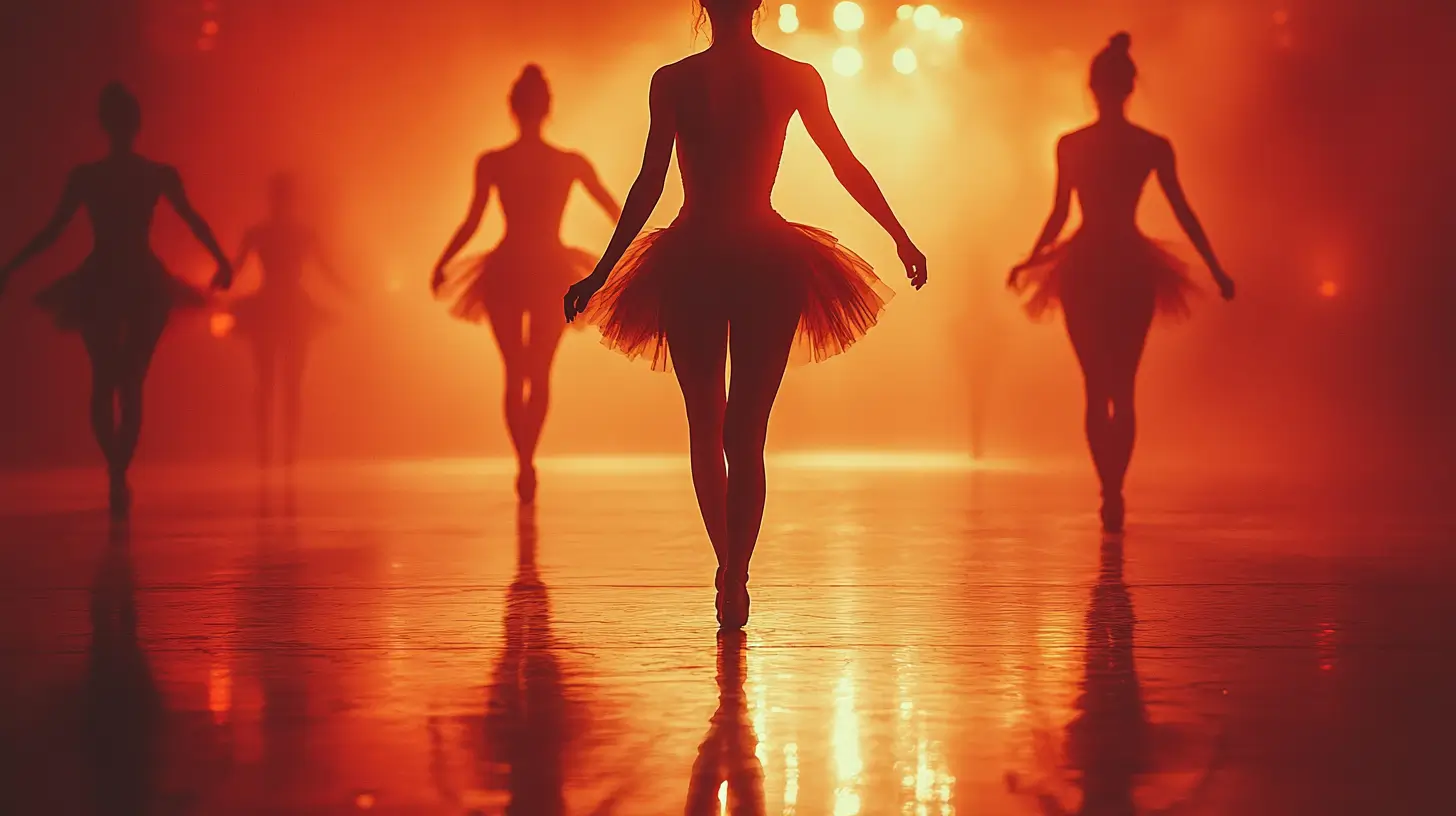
point(123, 705)
point(1108, 742)
point(728, 758)
point(529, 722)
point(275, 614)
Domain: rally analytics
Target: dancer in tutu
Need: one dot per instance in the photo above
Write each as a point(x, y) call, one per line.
point(1109, 279)
point(120, 298)
point(731, 276)
point(281, 319)
point(517, 285)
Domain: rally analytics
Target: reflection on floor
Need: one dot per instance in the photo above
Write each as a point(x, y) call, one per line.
point(928, 638)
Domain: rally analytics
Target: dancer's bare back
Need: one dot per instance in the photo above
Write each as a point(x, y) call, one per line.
point(731, 115)
point(535, 181)
point(120, 195)
point(1108, 165)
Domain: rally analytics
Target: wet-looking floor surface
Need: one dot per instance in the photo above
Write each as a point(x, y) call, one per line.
point(927, 638)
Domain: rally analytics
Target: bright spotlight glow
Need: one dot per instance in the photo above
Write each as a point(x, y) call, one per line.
point(927, 17)
point(950, 26)
point(788, 18)
point(849, 16)
point(905, 12)
point(848, 61)
point(906, 61)
point(221, 324)
point(1329, 289)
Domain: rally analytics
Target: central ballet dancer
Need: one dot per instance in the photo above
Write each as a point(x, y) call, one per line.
point(1110, 279)
point(731, 276)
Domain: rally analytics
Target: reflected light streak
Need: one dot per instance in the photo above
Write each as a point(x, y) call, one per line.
point(848, 763)
point(791, 777)
point(220, 692)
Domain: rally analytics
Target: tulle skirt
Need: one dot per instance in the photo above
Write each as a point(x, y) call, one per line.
point(1087, 273)
point(514, 278)
point(279, 315)
point(717, 272)
point(104, 293)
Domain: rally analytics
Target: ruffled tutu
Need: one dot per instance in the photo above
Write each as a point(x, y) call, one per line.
point(279, 314)
point(105, 292)
point(513, 278)
point(715, 270)
point(1087, 272)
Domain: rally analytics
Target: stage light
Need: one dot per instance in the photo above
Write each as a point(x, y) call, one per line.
point(848, 61)
point(927, 17)
point(221, 324)
point(849, 16)
point(906, 61)
point(788, 18)
point(905, 12)
point(950, 26)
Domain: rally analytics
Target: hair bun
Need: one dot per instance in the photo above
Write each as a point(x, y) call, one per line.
point(532, 71)
point(1121, 41)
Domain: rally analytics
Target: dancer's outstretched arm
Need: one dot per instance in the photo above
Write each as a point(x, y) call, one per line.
point(1056, 222)
point(851, 172)
point(587, 175)
point(174, 193)
point(51, 232)
point(1167, 170)
point(641, 199)
point(484, 181)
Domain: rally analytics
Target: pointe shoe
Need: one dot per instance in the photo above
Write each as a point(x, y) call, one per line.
point(526, 485)
point(1114, 512)
point(733, 602)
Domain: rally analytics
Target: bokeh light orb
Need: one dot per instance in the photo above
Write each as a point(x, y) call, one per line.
point(788, 18)
point(905, 61)
point(905, 12)
point(848, 61)
point(849, 16)
point(927, 17)
point(221, 324)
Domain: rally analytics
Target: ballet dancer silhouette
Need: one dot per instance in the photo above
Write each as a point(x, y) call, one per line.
point(731, 276)
point(120, 298)
point(1109, 278)
point(281, 319)
point(516, 286)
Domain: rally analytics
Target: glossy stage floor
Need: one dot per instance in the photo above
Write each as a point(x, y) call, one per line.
point(928, 637)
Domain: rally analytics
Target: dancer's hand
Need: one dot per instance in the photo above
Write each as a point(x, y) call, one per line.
point(1225, 284)
point(914, 261)
point(437, 279)
point(581, 293)
point(223, 279)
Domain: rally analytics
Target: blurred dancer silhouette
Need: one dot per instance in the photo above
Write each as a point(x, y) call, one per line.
point(281, 319)
point(731, 276)
point(729, 754)
point(516, 286)
point(120, 298)
point(1110, 279)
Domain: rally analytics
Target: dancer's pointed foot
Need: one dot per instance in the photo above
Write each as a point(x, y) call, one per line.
point(1114, 511)
point(732, 602)
point(526, 484)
